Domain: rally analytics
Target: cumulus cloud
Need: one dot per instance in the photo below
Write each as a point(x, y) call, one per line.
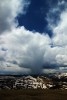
point(9, 9)
point(58, 24)
point(53, 16)
point(24, 51)
point(59, 38)
point(60, 30)
point(25, 48)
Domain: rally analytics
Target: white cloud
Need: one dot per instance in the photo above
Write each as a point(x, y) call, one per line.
point(61, 2)
point(9, 9)
point(62, 59)
point(26, 51)
point(53, 16)
point(59, 38)
point(25, 47)
point(50, 70)
point(60, 31)
point(30, 50)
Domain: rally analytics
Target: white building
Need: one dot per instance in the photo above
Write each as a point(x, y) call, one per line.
point(30, 82)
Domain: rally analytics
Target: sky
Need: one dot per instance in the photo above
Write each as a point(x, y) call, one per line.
point(33, 36)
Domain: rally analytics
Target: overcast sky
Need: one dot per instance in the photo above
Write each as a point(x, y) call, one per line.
point(33, 36)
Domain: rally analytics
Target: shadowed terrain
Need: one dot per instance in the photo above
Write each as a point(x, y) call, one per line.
point(30, 94)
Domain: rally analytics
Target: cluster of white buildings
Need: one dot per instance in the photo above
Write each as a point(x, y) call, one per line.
point(30, 82)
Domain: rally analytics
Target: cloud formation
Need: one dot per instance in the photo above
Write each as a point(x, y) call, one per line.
point(25, 48)
point(9, 9)
point(24, 51)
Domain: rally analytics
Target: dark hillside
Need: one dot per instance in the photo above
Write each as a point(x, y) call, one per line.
point(30, 94)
